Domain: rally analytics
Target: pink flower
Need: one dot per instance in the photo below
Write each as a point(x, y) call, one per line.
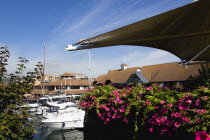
point(125, 120)
point(115, 110)
point(149, 88)
point(201, 111)
point(189, 101)
point(158, 119)
point(94, 103)
point(109, 114)
point(93, 97)
point(99, 114)
point(164, 119)
point(114, 117)
point(198, 121)
point(122, 110)
point(181, 99)
point(151, 129)
point(168, 123)
point(175, 114)
point(120, 101)
point(164, 110)
point(170, 105)
point(197, 100)
point(185, 119)
point(176, 124)
point(197, 104)
point(108, 119)
point(140, 92)
point(201, 135)
point(156, 106)
point(107, 109)
point(162, 102)
point(118, 116)
point(183, 108)
point(164, 130)
point(147, 103)
point(154, 115)
point(124, 95)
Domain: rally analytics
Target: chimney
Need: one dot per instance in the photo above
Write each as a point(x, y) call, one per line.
point(123, 66)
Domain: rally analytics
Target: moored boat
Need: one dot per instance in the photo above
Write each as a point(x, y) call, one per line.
point(62, 121)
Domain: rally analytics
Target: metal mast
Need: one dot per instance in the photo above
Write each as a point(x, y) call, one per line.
point(43, 72)
point(89, 70)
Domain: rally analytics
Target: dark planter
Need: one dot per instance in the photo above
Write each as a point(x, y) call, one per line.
point(95, 129)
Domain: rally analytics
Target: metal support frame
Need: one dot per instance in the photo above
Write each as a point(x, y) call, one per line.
point(185, 63)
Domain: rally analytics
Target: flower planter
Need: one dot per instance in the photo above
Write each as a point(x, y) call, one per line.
point(143, 113)
point(95, 129)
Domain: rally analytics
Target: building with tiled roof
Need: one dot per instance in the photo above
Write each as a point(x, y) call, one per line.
point(68, 75)
point(169, 72)
point(69, 86)
point(172, 74)
point(122, 75)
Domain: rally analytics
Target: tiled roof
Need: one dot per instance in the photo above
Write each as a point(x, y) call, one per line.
point(117, 76)
point(155, 73)
point(102, 78)
point(39, 91)
point(71, 74)
point(77, 74)
point(67, 74)
point(70, 82)
point(75, 91)
point(169, 72)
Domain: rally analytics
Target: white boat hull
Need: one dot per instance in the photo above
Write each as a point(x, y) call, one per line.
point(61, 105)
point(64, 125)
point(32, 109)
point(62, 121)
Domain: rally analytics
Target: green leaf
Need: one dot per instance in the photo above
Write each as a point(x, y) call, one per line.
point(204, 128)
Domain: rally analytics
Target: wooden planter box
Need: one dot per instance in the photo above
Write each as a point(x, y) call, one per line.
point(95, 129)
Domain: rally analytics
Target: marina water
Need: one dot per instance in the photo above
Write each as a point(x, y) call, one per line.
point(45, 133)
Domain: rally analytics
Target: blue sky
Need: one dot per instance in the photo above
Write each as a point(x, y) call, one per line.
point(26, 24)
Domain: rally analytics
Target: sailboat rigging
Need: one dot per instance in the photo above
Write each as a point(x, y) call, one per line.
point(89, 81)
point(43, 71)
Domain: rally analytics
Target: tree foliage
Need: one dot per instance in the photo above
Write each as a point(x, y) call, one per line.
point(14, 120)
point(204, 76)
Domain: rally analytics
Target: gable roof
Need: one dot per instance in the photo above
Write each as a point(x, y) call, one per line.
point(74, 91)
point(169, 72)
point(102, 78)
point(67, 74)
point(72, 74)
point(117, 76)
point(69, 82)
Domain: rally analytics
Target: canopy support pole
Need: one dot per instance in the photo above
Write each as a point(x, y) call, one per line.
point(186, 63)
